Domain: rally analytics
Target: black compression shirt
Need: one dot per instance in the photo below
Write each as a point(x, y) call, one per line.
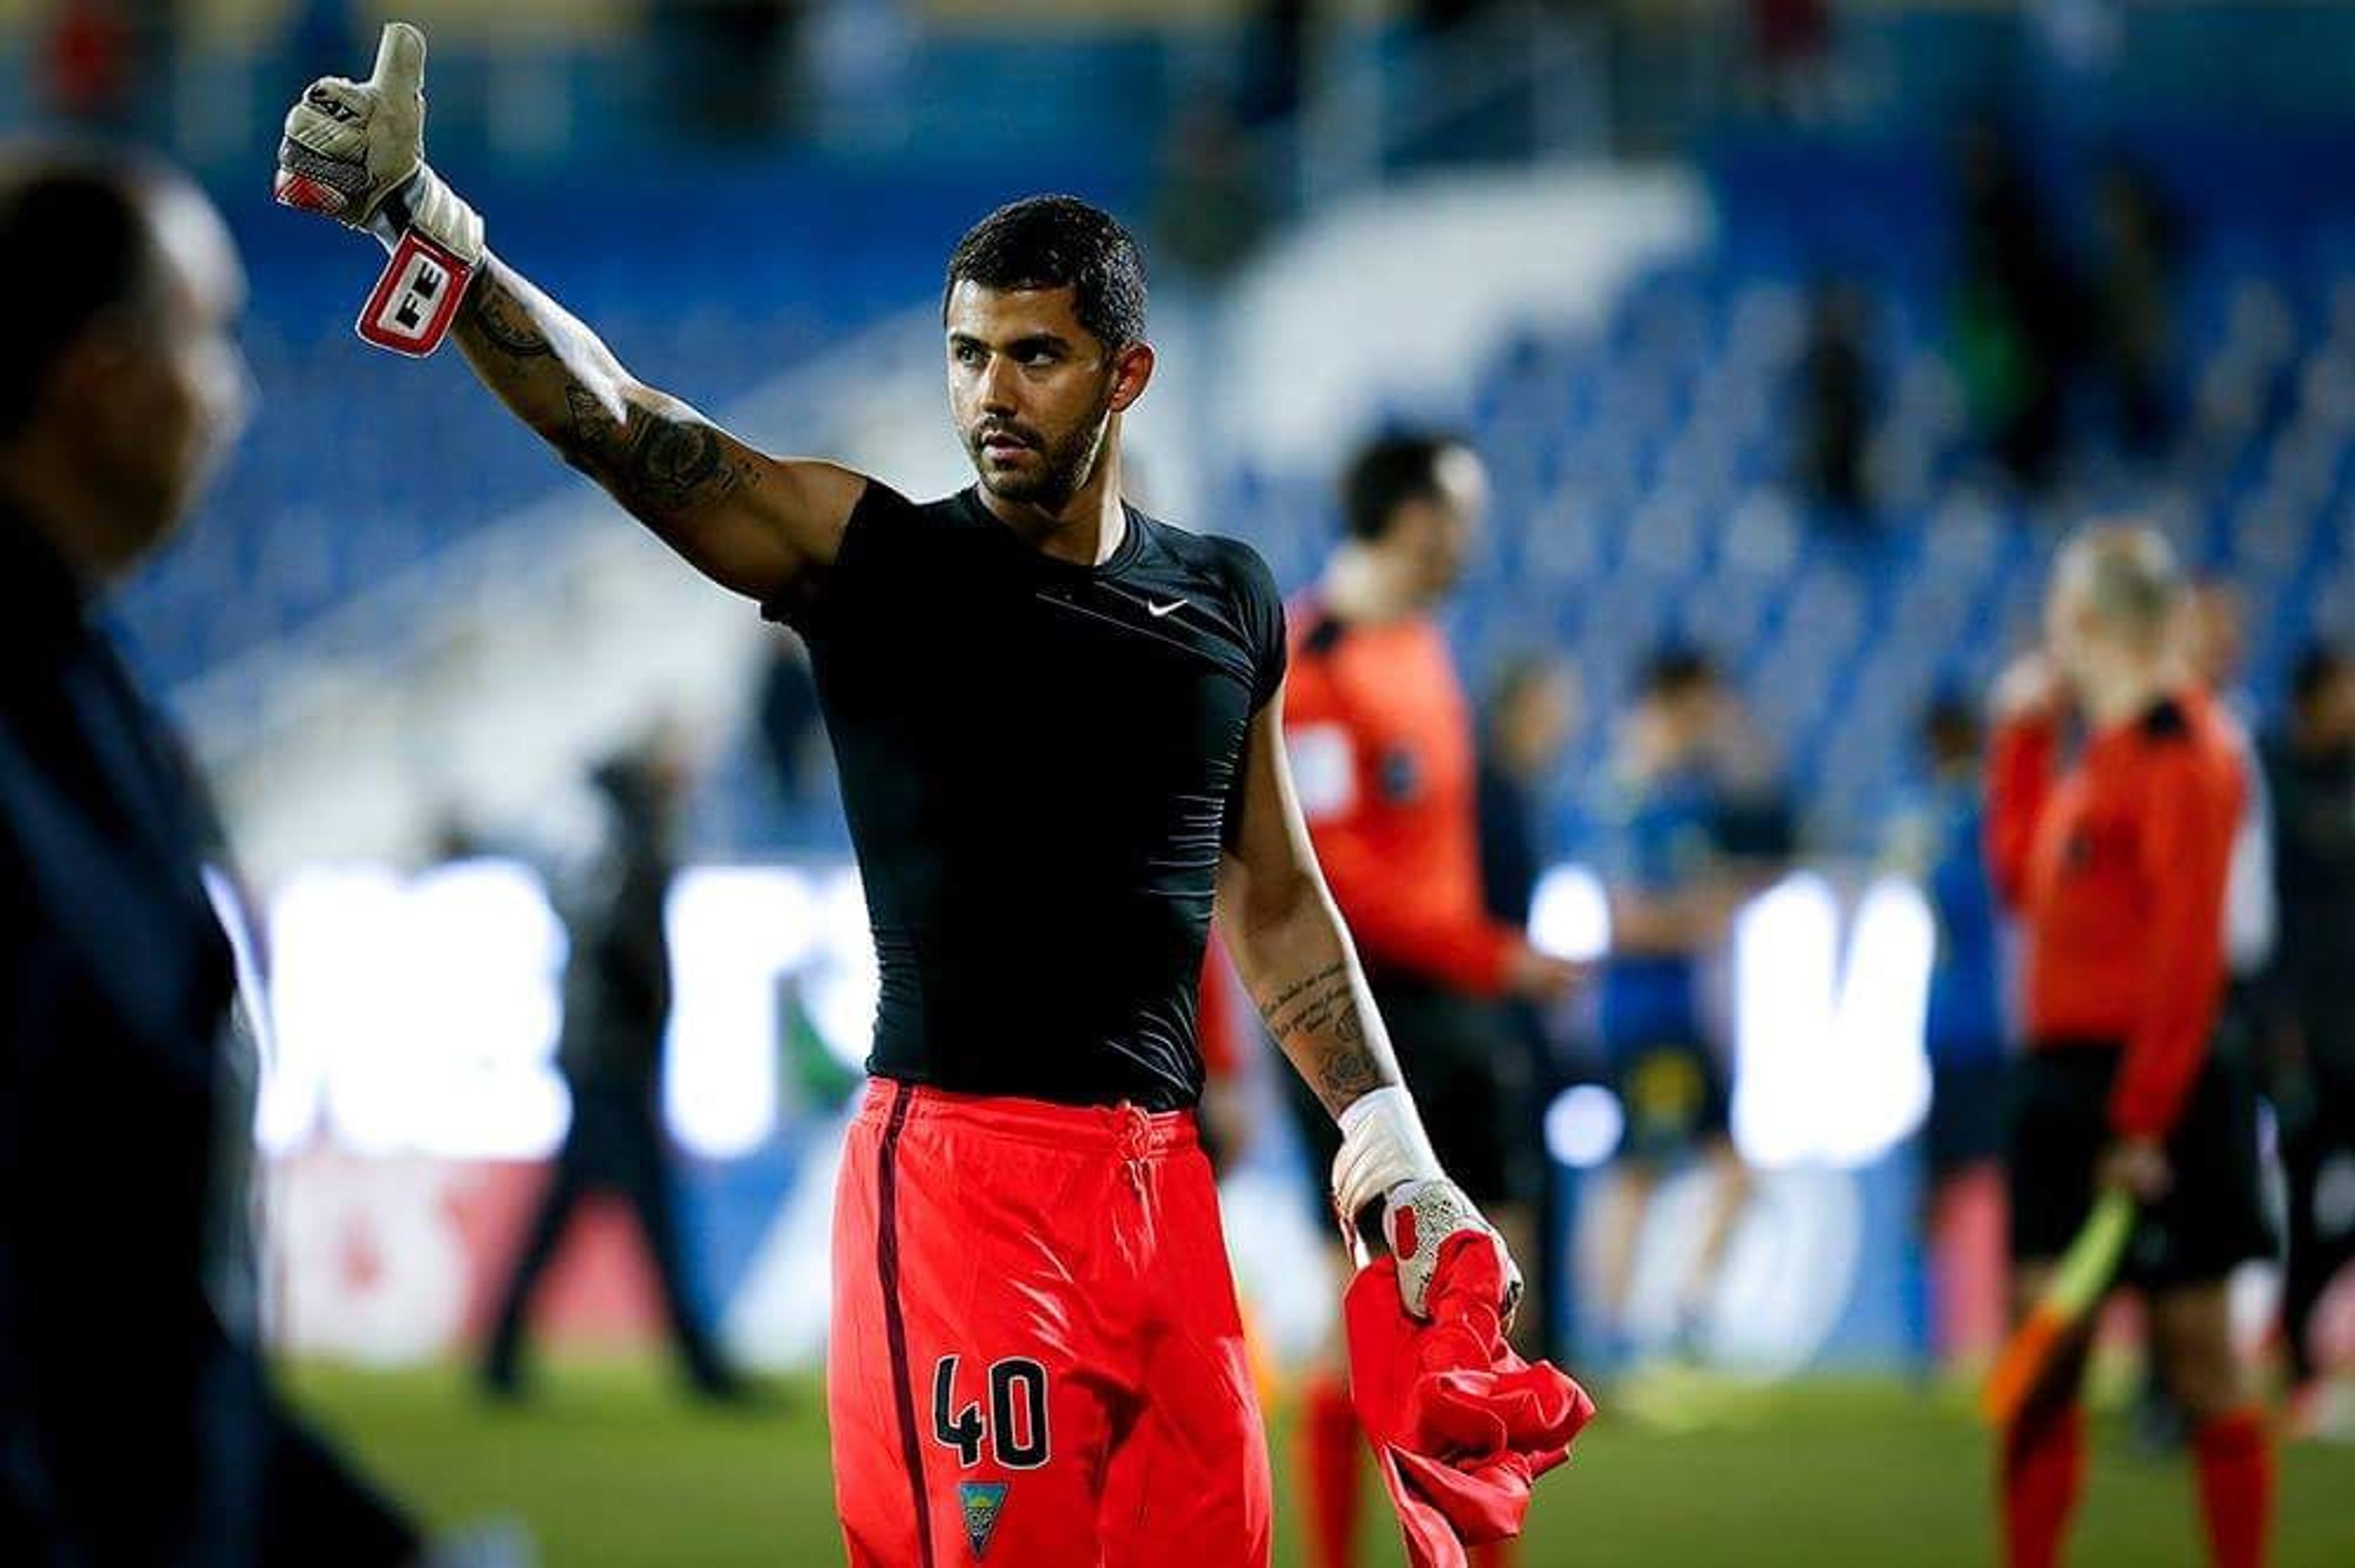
point(1038, 760)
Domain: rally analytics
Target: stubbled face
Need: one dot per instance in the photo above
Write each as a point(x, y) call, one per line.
point(1032, 391)
point(159, 394)
point(1443, 530)
point(1538, 723)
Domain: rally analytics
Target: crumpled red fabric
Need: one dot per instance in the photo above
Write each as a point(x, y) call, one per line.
point(1461, 1426)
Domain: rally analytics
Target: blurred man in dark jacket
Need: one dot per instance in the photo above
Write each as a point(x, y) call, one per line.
point(137, 1425)
point(617, 993)
point(2310, 771)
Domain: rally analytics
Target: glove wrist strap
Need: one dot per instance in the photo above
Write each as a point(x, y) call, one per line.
point(1383, 1146)
point(436, 242)
point(425, 203)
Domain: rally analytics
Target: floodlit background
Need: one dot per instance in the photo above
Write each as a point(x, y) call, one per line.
point(1697, 279)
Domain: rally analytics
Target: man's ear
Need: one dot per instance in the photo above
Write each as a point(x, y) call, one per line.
point(1132, 369)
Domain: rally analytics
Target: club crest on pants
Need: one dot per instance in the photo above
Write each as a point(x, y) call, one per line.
point(978, 1503)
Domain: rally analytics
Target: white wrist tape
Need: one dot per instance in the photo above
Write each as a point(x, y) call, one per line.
point(1382, 1145)
point(427, 205)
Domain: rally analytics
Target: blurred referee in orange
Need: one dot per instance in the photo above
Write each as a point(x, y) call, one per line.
point(2118, 868)
point(1381, 743)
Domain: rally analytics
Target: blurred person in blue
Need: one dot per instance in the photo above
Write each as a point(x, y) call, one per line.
point(1937, 842)
point(138, 1422)
point(617, 1001)
point(1674, 887)
point(1532, 711)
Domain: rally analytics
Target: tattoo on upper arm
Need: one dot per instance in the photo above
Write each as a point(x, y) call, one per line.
point(677, 464)
point(1321, 1013)
point(596, 434)
point(653, 462)
point(658, 457)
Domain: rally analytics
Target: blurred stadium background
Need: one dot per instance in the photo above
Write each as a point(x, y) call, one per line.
point(1699, 281)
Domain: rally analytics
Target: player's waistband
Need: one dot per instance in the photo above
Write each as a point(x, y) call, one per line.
point(1122, 1131)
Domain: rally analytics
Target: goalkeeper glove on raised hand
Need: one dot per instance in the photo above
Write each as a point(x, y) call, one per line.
point(355, 151)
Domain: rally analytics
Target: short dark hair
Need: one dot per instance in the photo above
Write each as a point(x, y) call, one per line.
point(1387, 472)
point(1059, 242)
point(75, 242)
point(2318, 665)
point(1675, 669)
point(1950, 727)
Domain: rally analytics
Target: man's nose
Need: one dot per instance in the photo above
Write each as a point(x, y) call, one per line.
point(997, 384)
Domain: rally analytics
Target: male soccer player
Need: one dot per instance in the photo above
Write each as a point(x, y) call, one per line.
point(2117, 868)
point(1380, 738)
point(1058, 722)
point(137, 1420)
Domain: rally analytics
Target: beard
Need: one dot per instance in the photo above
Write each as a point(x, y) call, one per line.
point(1056, 469)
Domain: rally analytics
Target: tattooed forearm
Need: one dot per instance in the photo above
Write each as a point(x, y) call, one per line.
point(502, 320)
point(1276, 1010)
point(658, 457)
point(1317, 1021)
point(1349, 1073)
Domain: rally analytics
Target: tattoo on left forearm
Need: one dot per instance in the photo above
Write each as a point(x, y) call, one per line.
point(1346, 1074)
point(1315, 1021)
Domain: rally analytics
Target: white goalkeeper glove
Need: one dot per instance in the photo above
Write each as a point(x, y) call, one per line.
point(355, 151)
point(1387, 1159)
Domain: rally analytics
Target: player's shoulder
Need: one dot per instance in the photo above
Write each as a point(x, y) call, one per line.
point(1226, 569)
point(1228, 561)
point(884, 507)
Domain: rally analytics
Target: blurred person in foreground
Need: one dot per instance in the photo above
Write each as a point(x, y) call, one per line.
point(137, 1421)
point(617, 1000)
point(2310, 769)
point(1381, 744)
point(1940, 844)
point(2116, 865)
point(1674, 889)
point(1058, 722)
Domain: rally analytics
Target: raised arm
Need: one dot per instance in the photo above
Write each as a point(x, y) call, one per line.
point(355, 151)
point(748, 521)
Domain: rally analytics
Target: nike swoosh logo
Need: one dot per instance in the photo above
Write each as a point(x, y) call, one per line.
point(1157, 611)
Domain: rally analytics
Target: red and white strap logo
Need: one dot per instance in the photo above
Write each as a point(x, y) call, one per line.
point(416, 298)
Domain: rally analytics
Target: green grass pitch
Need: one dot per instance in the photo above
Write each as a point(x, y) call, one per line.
point(612, 1469)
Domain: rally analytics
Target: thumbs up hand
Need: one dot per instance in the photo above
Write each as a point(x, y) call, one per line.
point(350, 145)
